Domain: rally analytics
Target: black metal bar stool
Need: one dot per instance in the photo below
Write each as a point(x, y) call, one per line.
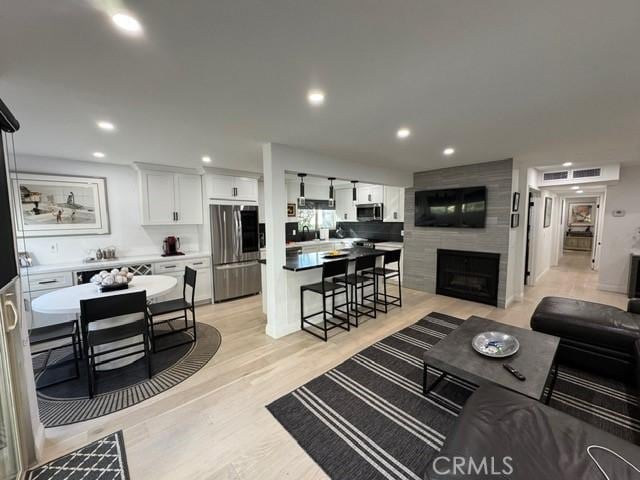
point(362, 278)
point(328, 289)
point(55, 333)
point(385, 273)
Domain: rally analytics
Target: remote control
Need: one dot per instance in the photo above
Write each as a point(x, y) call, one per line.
point(514, 372)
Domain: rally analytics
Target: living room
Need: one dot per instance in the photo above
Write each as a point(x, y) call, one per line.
point(320, 240)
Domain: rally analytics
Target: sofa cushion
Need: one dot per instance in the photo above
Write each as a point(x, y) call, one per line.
point(587, 322)
point(534, 440)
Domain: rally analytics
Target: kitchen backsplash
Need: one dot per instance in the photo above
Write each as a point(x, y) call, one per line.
point(389, 231)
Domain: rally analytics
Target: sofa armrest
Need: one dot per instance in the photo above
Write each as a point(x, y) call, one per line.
point(634, 306)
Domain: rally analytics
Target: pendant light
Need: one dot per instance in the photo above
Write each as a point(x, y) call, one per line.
point(355, 191)
point(332, 202)
point(301, 201)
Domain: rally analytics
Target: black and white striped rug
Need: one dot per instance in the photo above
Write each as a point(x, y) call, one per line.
point(367, 418)
point(104, 459)
point(68, 402)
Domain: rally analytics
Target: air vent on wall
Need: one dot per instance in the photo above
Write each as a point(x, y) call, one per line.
point(556, 175)
point(587, 172)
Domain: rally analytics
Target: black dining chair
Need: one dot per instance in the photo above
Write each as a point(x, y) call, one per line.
point(95, 309)
point(362, 278)
point(386, 272)
point(52, 337)
point(184, 305)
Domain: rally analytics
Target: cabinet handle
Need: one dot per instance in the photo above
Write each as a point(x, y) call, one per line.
point(395, 215)
point(369, 197)
point(169, 266)
point(345, 216)
point(198, 263)
point(45, 282)
point(9, 303)
point(177, 216)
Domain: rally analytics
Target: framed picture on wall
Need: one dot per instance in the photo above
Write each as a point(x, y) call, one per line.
point(581, 214)
point(54, 205)
point(515, 220)
point(548, 207)
point(516, 201)
point(291, 209)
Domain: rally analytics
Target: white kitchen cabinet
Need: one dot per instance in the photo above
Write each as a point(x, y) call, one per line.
point(203, 278)
point(226, 187)
point(168, 198)
point(176, 269)
point(393, 204)
point(345, 209)
point(370, 194)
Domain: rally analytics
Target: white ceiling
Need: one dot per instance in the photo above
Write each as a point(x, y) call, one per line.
point(493, 78)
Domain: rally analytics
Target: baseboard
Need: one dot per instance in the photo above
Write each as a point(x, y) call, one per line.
point(282, 331)
point(539, 277)
point(612, 288)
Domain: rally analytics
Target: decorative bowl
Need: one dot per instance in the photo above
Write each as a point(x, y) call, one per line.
point(495, 344)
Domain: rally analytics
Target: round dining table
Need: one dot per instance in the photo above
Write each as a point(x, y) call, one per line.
point(67, 301)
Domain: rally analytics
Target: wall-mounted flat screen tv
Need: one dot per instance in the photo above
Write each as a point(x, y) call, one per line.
point(454, 207)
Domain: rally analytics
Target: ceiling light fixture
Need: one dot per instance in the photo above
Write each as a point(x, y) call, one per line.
point(580, 191)
point(315, 97)
point(354, 192)
point(448, 151)
point(403, 133)
point(206, 159)
point(332, 202)
point(99, 154)
point(301, 200)
point(127, 23)
point(575, 188)
point(104, 125)
point(567, 164)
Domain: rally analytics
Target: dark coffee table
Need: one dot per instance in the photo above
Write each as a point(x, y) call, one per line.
point(454, 355)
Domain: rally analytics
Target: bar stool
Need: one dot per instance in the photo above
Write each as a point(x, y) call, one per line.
point(385, 273)
point(361, 278)
point(327, 289)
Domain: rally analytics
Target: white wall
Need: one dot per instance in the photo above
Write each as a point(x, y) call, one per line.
point(546, 239)
point(512, 261)
point(620, 235)
point(127, 235)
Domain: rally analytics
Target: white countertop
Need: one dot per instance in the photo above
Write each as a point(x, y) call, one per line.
point(81, 266)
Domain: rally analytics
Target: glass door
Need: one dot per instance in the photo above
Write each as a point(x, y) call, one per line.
point(9, 454)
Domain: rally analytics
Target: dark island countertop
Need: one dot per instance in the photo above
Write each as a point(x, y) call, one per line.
point(307, 261)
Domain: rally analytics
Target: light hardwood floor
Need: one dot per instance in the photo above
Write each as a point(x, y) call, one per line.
point(215, 425)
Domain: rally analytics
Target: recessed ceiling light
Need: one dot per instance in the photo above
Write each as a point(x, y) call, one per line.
point(448, 151)
point(575, 188)
point(206, 159)
point(99, 154)
point(127, 23)
point(403, 133)
point(580, 191)
point(315, 97)
point(104, 125)
point(567, 164)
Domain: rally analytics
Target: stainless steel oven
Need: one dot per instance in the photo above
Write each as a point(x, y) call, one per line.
point(369, 212)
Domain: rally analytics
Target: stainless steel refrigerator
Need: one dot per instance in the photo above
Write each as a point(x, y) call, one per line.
point(235, 247)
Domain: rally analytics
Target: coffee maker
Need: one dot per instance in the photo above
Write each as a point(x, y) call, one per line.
point(171, 246)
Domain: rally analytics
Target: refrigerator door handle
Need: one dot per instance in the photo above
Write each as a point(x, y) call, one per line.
point(14, 311)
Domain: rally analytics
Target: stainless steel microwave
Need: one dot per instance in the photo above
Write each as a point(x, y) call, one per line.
point(369, 212)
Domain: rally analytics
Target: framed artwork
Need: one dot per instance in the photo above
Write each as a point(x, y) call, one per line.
point(516, 201)
point(581, 214)
point(548, 206)
point(55, 205)
point(515, 220)
point(291, 209)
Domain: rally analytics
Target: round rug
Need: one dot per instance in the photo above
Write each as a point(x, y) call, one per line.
point(69, 402)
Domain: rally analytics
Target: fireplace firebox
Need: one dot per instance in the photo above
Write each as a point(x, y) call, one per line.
point(468, 275)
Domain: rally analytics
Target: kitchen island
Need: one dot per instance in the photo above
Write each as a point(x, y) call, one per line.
point(302, 269)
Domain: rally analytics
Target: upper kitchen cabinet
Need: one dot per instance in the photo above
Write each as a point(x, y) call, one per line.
point(393, 204)
point(226, 187)
point(370, 194)
point(170, 198)
point(345, 209)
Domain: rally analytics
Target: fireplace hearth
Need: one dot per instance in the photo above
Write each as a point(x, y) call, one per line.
point(468, 275)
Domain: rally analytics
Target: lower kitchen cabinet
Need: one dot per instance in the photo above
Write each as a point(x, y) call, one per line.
point(176, 269)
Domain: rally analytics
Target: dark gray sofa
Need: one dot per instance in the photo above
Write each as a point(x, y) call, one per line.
point(539, 441)
point(594, 337)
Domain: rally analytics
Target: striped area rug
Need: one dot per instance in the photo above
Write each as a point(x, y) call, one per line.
point(367, 418)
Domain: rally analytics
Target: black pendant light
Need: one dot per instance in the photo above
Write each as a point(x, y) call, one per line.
point(332, 202)
point(301, 200)
point(355, 191)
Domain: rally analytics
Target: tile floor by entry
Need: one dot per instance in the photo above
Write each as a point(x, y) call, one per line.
point(215, 424)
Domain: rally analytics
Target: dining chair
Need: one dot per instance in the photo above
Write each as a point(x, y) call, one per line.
point(52, 336)
point(184, 305)
point(95, 309)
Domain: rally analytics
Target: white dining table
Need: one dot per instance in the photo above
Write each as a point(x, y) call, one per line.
point(67, 301)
